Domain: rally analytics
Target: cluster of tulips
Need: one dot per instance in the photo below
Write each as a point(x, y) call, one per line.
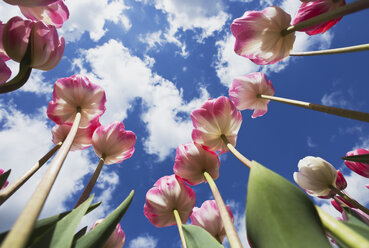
point(278, 214)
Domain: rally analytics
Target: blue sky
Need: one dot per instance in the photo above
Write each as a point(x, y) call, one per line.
point(158, 61)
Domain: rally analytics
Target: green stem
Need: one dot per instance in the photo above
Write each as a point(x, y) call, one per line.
point(350, 49)
point(351, 114)
point(349, 237)
point(236, 153)
point(179, 225)
point(87, 191)
point(333, 14)
point(23, 227)
point(231, 233)
point(11, 189)
point(349, 200)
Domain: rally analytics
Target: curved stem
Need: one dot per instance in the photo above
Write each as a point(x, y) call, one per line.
point(351, 114)
point(350, 200)
point(350, 49)
point(179, 225)
point(236, 153)
point(87, 191)
point(23, 226)
point(342, 231)
point(233, 238)
point(333, 14)
point(11, 189)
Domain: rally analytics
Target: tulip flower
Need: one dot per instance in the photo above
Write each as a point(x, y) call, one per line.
point(314, 8)
point(208, 217)
point(245, 90)
point(116, 239)
point(30, 3)
point(192, 160)
point(168, 194)
point(341, 184)
point(216, 117)
point(315, 175)
point(74, 93)
point(3, 56)
point(83, 137)
point(358, 167)
point(6, 182)
point(53, 14)
point(46, 50)
point(5, 72)
point(259, 38)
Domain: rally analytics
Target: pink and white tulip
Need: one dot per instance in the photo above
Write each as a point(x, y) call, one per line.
point(6, 182)
point(3, 56)
point(315, 175)
point(53, 14)
point(169, 193)
point(360, 168)
point(5, 72)
point(72, 93)
point(214, 118)
point(208, 217)
point(114, 142)
point(311, 9)
point(245, 89)
point(47, 48)
point(83, 138)
point(116, 239)
point(30, 3)
point(258, 35)
point(192, 160)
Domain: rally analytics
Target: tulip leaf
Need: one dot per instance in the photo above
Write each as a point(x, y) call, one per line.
point(43, 225)
point(363, 158)
point(100, 234)
point(279, 214)
point(3, 178)
point(61, 235)
point(196, 236)
point(79, 234)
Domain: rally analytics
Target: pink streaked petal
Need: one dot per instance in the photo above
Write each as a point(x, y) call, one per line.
point(5, 72)
point(116, 239)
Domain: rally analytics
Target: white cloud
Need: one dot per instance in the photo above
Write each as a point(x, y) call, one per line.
point(335, 98)
point(310, 142)
point(91, 17)
point(24, 139)
point(126, 78)
point(145, 241)
point(7, 11)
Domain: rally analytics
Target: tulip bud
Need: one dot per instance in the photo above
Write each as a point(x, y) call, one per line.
point(358, 167)
point(116, 239)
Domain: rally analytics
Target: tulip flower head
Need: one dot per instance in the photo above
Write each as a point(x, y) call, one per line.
point(6, 182)
point(315, 175)
point(74, 93)
point(192, 160)
point(341, 183)
point(116, 239)
point(47, 48)
point(245, 90)
point(311, 9)
point(258, 35)
point(113, 142)
point(169, 193)
point(5, 72)
point(3, 56)
point(216, 117)
point(208, 217)
point(53, 14)
point(30, 3)
point(83, 138)
point(360, 168)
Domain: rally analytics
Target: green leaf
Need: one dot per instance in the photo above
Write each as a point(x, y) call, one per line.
point(100, 234)
point(61, 235)
point(43, 225)
point(363, 158)
point(79, 234)
point(3, 178)
point(278, 214)
point(196, 236)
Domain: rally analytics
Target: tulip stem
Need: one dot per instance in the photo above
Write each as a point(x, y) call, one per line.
point(349, 237)
point(351, 114)
point(23, 227)
point(350, 49)
point(349, 200)
point(179, 225)
point(11, 189)
point(233, 238)
point(236, 153)
point(87, 191)
point(327, 16)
